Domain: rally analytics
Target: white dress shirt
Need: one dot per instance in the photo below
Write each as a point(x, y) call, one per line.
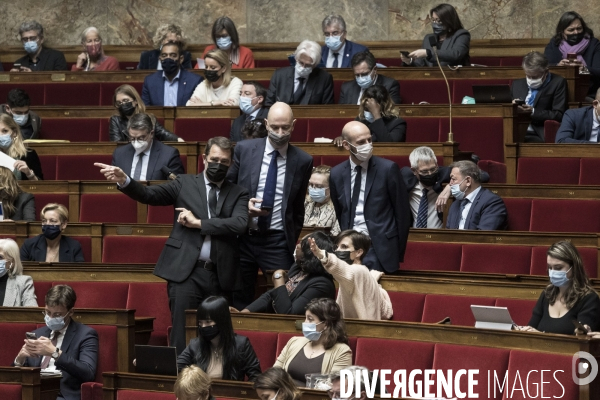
point(463, 217)
point(297, 80)
point(330, 57)
point(59, 341)
point(145, 159)
point(205, 249)
point(595, 128)
point(433, 221)
point(360, 224)
point(277, 217)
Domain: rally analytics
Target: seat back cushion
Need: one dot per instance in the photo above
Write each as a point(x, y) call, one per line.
point(99, 294)
point(326, 127)
point(86, 246)
point(264, 345)
point(10, 392)
point(458, 308)
point(201, 129)
point(106, 208)
point(41, 199)
point(72, 94)
point(12, 335)
point(80, 167)
point(496, 259)
point(156, 305)
point(282, 339)
point(117, 249)
point(518, 213)
point(73, 129)
point(107, 349)
point(589, 256)
point(140, 395)
point(550, 129)
point(566, 215)
point(520, 309)
point(160, 214)
point(41, 288)
point(408, 307)
point(551, 171)
point(471, 131)
point(432, 256)
point(421, 130)
point(588, 171)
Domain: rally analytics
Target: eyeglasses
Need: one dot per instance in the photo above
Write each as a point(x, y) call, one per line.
point(141, 139)
point(55, 315)
point(30, 39)
point(125, 101)
point(428, 171)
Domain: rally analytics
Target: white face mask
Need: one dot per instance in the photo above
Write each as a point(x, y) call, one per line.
point(536, 83)
point(363, 152)
point(456, 192)
point(140, 147)
point(21, 119)
point(303, 72)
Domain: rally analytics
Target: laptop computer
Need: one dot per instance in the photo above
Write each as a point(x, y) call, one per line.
point(488, 317)
point(156, 360)
point(492, 94)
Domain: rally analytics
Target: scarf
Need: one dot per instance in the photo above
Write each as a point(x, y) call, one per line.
point(565, 48)
point(530, 99)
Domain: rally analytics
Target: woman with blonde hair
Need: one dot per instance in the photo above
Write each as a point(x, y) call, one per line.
point(16, 289)
point(276, 384)
point(164, 34)
point(16, 204)
point(128, 102)
point(27, 165)
point(219, 88)
point(93, 58)
point(192, 384)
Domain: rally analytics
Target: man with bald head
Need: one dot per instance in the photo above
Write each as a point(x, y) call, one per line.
point(276, 175)
point(369, 196)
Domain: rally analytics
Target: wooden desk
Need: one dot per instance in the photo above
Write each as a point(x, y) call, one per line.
point(33, 386)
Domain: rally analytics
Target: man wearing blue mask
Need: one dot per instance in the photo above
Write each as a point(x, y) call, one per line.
point(17, 106)
point(252, 101)
point(365, 74)
point(38, 58)
point(337, 51)
point(475, 207)
point(63, 344)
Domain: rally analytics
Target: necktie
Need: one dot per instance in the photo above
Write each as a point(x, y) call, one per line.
point(423, 208)
point(138, 168)
point(212, 200)
point(463, 204)
point(355, 195)
point(299, 91)
point(249, 117)
point(268, 199)
point(46, 360)
point(335, 60)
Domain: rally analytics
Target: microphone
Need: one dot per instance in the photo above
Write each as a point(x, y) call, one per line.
point(171, 176)
point(433, 44)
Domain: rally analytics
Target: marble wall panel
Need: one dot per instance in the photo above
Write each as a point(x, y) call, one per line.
point(547, 13)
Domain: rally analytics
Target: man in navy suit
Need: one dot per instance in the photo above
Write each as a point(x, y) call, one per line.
point(581, 125)
point(337, 52)
point(276, 175)
point(474, 207)
point(369, 196)
point(173, 86)
point(64, 345)
point(144, 158)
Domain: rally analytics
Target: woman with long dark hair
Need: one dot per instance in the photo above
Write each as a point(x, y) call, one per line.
point(225, 37)
point(276, 384)
point(218, 350)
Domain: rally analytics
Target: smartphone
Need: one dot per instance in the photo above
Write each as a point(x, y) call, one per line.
point(519, 102)
point(404, 53)
point(579, 325)
point(572, 56)
point(17, 66)
point(30, 335)
point(266, 208)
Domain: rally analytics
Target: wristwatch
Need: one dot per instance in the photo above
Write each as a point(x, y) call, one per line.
point(55, 354)
point(277, 275)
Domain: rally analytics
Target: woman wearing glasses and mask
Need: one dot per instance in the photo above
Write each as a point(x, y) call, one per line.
point(16, 289)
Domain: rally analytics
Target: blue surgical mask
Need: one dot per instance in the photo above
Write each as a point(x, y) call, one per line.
point(456, 192)
point(21, 119)
point(334, 42)
point(31, 47)
point(5, 141)
point(317, 194)
point(309, 330)
point(246, 105)
point(3, 269)
point(368, 116)
point(55, 324)
point(364, 82)
point(224, 43)
point(559, 278)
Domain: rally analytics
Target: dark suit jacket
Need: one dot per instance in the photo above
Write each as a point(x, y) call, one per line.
point(182, 248)
point(387, 129)
point(35, 120)
point(161, 155)
point(153, 91)
point(48, 60)
point(149, 59)
point(387, 210)
point(351, 90)
point(33, 162)
point(591, 55)
point(277, 300)
point(454, 50)
point(576, 126)
point(78, 361)
point(487, 213)
point(349, 51)
point(25, 208)
point(245, 171)
point(318, 87)
point(34, 249)
point(117, 131)
point(238, 124)
point(549, 104)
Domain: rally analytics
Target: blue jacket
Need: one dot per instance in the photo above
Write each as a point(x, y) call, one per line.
point(161, 155)
point(153, 91)
point(487, 213)
point(349, 51)
point(576, 126)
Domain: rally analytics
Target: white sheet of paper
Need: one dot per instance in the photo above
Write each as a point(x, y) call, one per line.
point(200, 63)
point(7, 161)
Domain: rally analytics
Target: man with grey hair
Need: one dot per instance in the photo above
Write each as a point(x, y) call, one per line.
point(337, 52)
point(146, 159)
point(304, 83)
point(541, 94)
point(474, 207)
point(38, 58)
point(581, 125)
point(335, 391)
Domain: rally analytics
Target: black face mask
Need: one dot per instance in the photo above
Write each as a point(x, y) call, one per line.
point(127, 109)
point(574, 39)
point(170, 66)
point(344, 255)
point(428, 180)
point(438, 29)
point(211, 76)
point(209, 332)
point(216, 172)
point(51, 231)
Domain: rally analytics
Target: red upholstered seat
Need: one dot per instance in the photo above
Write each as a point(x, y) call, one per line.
point(432, 256)
point(160, 215)
point(80, 167)
point(520, 309)
point(588, 171)
point(332, 161)
point(107, 89)
point(271, 63)
point(12, 335)
point(156, 305)
point(326, 127)
point(10, 392)
point(132, 249)
point(496, 259)
point(555, 171)
point(72, 94)
point(317, 160)
point(41, 288)
point(282, 339)
point(433, 91)
point(337, 89)
point(91, 391)
point(511, 61)
point(565, 215)
point(484, 136)
point(408, 307)
point(141, 395)
point(73, 129)
point(589, 256)
point(300, 132)
point(86, 246)
point(402, 161)
point(41, 199)
point(487, 61)
point(34, 90)
point(48, 166)
point(550, 129)
point(496, 170)
point(96, 294)
point(96, 207)
point(419, 130)
point(519, 213)
point(264, 345)
point(455, 357)
point(525, 362)
point(201, 129)
point(390, 62)
point(458, 308)
point(107, 347)
point(464, 87)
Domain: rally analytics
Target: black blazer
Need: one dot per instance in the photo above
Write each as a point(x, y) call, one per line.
point(387, 129)
point(248, 364)
point(410, 180)
point(153, 91)
point(387, 210)
point(487, 213)
point(48, 60)
point(318, 87)
point(161, 155)
point(549, 104)
point(117, 131)
point(454, 50)
point(576, 126)
point(33, 162)
point(182, 248)
point(245, 171)
point(149, 59)
point(34, 249)
point(24, 208)
point(78, 361)
point(277, 300)
point(350, 90)
point(235, 134)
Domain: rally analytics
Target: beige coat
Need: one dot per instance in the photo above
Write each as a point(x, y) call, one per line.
point(20, 292)
point(336, 358)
